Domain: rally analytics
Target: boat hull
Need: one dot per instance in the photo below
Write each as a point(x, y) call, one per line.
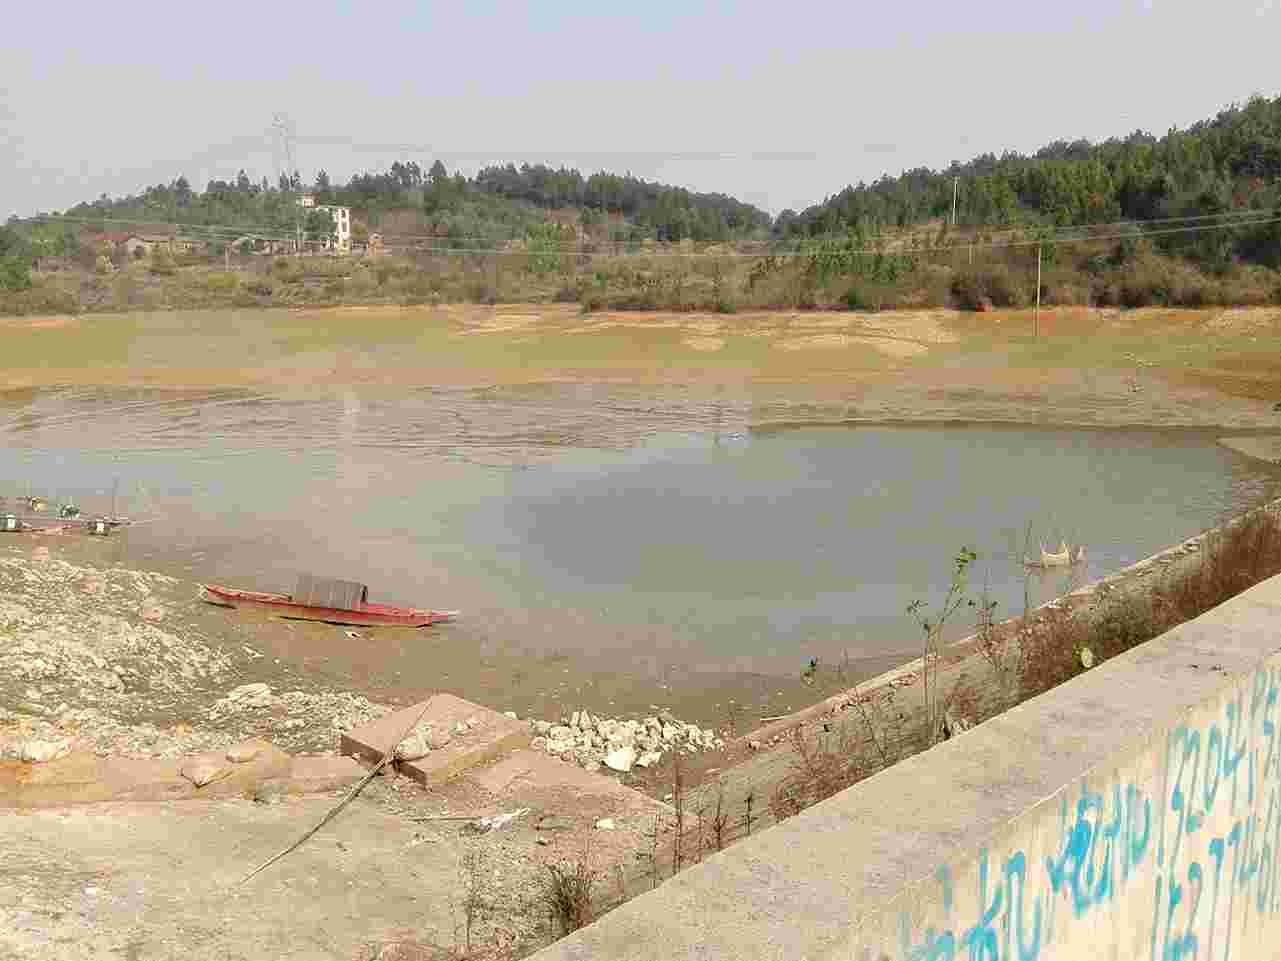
point(282, 605)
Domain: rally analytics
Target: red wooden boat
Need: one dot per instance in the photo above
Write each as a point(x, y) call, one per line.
point(328, 600)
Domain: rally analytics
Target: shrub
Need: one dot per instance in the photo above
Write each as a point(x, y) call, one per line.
point(39, 299)
point(221, 283)
point(162, 262)
point(567, 893)
point(992, 285)
point(14, 274)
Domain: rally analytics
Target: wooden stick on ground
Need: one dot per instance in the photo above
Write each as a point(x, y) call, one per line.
point(387, 758)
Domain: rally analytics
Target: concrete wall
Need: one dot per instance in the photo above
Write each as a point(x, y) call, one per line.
point(1132, 813)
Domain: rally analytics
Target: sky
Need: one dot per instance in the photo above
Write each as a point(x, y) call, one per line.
point(778, 104)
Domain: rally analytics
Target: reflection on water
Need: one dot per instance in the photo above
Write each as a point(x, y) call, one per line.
point(639, 529)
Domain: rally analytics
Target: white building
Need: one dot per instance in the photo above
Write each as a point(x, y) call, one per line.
point(342, 222)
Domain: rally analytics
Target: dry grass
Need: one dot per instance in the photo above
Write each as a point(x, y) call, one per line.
point(1232, 560)
point(1027, 658)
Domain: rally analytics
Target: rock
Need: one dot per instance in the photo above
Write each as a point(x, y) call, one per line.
point(250, 695)
point(461, 728)
point(669, 732)
point(754, 745)
point(542, 727)
point(437, 739)
point(152, 610)
point(648, 758)
point(472, 723)
point(244, 751)
point(543, 841)
point(604, 824)
point(109, 680)
point(621, 759)
point(511, 714)
point(575, 719)
point(560, 732)
point(539, 743)
point(954, 724)
point(202, 771)
point(585, 722)
point(413, 747)
point(41, 752)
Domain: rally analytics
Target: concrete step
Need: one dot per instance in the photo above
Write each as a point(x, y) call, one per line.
point(490, 735)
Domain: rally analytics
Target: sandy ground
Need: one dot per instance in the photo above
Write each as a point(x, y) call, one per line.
point(1084, 366)
point(161, 881)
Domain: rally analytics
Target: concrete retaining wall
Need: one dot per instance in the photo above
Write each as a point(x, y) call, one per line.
point(1132, 813)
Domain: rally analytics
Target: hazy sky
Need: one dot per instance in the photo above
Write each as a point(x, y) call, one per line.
point(779, 104)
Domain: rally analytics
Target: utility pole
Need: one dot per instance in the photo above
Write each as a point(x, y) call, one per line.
point(955, 181)
point(284, 130)
point(1036, 317)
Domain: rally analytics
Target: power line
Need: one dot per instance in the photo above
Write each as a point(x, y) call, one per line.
point(1251, 219)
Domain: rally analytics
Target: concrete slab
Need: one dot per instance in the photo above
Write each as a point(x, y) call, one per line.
point(534, 779)
point(318, 773)
point(491, 735)
point(88, 779)
point(155, 882)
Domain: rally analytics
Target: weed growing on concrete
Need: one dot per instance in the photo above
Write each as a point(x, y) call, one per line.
point(652, 855)
point(933, 627)
point(999, 649)
point(747, 813)
point(567, 893)
point(824, 766)
point(477, 901)
point(1232, 560)
point(720, 818)
point(678, 805)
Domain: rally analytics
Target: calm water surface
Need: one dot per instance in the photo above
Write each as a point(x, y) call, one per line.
point(649, 539)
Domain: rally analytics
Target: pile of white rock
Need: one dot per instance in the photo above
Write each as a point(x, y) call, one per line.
point(621, 745)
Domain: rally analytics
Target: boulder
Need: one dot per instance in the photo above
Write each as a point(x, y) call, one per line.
point(621, 759)
point(649, 758)
point(413, 747)
point(251, 695)
point(245, 751)
point(41, 752)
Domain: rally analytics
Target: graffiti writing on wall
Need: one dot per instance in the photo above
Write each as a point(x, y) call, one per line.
point(1190, 846)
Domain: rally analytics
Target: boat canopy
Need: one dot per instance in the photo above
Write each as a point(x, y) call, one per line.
point(331, 593)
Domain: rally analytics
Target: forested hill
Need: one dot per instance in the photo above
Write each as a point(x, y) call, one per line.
point(1230, 162)
point(499, 203)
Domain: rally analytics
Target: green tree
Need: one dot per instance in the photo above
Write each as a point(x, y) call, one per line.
point(319, 226)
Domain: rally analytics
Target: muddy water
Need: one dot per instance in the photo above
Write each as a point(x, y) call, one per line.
point(608, 548)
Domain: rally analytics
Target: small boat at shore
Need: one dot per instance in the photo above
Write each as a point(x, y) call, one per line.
point(327, 600)
point(1064, 557)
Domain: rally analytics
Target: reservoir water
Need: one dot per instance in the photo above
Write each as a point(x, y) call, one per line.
point(647, 550)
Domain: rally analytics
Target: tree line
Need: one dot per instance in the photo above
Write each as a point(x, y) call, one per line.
point(1230, 163)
